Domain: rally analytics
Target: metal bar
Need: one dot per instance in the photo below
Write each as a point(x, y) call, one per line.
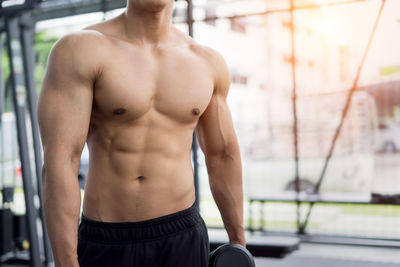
point(250, 220)
point(2, 109)
point(27, 32)
point(345, 110)
point(18, 93)
point(2, 83)
point(281, 10)
point(196, 170)
point(42, 12)
point(104, 8)
point(189, 17)
point(262, 216)
point(295, 121)
point(16, 9)
point(334, 239)
point(7, 89)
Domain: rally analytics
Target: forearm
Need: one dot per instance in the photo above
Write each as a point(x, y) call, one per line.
point(225, 176)
point(61, 204)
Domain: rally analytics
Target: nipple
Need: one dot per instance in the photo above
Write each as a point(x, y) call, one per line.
point(195, 111)
point(119, 111)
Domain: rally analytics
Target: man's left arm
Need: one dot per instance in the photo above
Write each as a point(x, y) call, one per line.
point(218, 141)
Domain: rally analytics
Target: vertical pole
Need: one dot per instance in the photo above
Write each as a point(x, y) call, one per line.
point(196, 170)
point(251, 216)
point(18, 94)
point(262, 216)
point(2, 82)
point(295, 121)
point(27, 32)
point(189, 17)
point(104, 8)
point(2, 109)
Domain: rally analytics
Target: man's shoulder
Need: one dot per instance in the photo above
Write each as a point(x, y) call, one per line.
point(82, 48)
point(214, 59)
point(80, 39)
point(208, 53)
point(77, 52)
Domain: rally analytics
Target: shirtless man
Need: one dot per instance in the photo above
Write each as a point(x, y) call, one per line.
point(135, 88)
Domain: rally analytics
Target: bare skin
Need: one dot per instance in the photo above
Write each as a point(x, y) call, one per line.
point(134, 88)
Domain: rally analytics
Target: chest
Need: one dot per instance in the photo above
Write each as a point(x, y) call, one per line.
point(174, 83)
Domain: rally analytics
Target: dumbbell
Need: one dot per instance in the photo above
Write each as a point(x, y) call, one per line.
point(231, 255)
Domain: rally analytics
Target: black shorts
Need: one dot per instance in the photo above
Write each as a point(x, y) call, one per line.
point(178, 239)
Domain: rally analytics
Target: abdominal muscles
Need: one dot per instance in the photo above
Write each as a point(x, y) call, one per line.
point(138, 173)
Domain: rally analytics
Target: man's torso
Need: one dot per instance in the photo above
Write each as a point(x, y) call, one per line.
point(146, 104)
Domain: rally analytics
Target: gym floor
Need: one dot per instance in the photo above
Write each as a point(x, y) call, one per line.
point(319, 255)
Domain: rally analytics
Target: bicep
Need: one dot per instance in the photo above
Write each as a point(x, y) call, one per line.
point(215, 130)
point(65, 103)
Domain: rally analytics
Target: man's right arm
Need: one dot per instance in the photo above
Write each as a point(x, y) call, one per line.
point(64, 109)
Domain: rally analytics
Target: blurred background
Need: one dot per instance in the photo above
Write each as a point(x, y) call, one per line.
point(315, 100)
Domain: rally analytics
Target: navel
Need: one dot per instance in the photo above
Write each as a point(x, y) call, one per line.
point(195, 111)
point(140, 177)
point(119, 111)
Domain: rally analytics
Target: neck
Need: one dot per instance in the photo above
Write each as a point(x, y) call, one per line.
point(147, 25)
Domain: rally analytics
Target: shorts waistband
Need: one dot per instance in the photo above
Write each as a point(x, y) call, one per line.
point(154, 228)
